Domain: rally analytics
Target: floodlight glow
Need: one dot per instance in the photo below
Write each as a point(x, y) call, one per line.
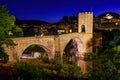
point(108, 16)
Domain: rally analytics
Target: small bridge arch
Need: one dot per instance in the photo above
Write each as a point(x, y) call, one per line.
point(46, 42)
point(47, 50)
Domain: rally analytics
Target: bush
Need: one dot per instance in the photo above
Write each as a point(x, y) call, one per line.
point(4, 58)
point(106, 66)
point(43, 71)
point(28, 71)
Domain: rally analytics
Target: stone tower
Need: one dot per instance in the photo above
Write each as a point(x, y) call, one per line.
point(85, 22)
point(85, 28)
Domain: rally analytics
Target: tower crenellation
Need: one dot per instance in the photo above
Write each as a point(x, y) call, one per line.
point(85, 20)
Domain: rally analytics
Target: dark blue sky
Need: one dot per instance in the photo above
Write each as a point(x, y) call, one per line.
point(54, 10)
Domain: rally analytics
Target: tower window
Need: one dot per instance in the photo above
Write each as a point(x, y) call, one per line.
point(83, 28)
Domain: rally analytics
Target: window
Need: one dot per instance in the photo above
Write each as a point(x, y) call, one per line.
point(83, 28)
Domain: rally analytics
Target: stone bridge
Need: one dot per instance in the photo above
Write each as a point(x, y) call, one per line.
point(51, 44)
point(55, 45)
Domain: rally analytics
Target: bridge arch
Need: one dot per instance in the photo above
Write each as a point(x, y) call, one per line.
point(74, 49)
point(47, 50)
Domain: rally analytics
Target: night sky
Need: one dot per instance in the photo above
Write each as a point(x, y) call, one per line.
point(54, 10)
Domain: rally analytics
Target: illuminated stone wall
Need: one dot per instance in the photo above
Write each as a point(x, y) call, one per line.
point(86, 19)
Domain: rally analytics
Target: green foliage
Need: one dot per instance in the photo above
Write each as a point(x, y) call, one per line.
point(67, 70)
point(7, 30)
point(6, 20)
point(3, 56)
point(35, 70)
point(17, 32)
point(111, 39)
point(29, 71)
point(7, 24)
point(9, 42)
point(2, 34)
point(106, 65)
point(45, 59)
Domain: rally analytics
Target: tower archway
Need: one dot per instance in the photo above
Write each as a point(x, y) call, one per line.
point(83, 28)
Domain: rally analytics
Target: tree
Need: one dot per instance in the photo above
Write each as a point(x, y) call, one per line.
point(111, 38)
point(7, 24)
point(106, 65)
point(7, 29)
point(106, 62)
